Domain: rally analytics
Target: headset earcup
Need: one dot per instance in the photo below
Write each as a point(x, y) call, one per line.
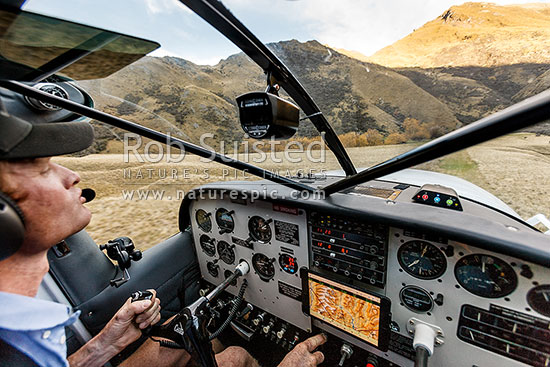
point(12, 226)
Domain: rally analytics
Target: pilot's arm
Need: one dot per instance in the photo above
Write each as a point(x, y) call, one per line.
point(122, 330)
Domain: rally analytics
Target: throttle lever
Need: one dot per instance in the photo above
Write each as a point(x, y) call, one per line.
point(143, 296)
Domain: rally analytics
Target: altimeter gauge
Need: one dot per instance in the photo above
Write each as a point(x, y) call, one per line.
point(422, 260)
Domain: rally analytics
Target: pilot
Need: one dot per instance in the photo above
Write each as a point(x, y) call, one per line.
point(46, 197)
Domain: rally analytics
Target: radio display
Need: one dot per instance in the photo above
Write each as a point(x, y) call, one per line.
point(356, 312)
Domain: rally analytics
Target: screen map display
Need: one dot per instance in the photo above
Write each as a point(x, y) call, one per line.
point(353, 311)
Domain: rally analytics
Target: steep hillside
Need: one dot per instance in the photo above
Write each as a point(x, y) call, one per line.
point(537, 85)
point(473, 92)
point(478, 34)
point(177, 96)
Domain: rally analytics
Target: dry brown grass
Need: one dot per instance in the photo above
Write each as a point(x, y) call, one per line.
point(516, 168)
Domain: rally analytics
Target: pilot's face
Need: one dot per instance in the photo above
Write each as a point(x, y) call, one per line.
point(51, 203)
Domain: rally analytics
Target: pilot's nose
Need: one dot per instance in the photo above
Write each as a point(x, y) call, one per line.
point(70, 177)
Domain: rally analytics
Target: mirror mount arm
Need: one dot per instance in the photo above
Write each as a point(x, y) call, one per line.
point(272, 85)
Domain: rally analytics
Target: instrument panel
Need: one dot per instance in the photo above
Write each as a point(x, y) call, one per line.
point(271, 238)
point(472, 295)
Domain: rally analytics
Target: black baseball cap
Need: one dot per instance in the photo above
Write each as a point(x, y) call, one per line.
point(21, 139)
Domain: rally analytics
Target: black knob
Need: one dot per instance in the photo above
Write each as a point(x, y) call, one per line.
point(526, 271)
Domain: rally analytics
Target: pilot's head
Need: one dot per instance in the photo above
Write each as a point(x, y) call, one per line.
point(40, 204)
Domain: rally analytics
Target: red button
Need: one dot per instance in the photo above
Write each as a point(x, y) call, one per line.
point(425, 197)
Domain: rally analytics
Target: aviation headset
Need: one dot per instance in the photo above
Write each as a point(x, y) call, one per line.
point(12, 226)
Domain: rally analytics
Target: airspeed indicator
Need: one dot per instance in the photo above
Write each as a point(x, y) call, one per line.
point(422, 260)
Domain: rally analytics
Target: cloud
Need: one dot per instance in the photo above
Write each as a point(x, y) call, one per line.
point(164, 6)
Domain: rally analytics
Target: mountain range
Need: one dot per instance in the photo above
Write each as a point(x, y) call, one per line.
point(473, 60)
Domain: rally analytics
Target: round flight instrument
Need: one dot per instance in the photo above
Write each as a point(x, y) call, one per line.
point(539, 299)
point(207, 245)
point(224, 219)
point(486, 276)
point(259, 229)
point(422, 260)
point(263, 266)
point(204, 220)
point(288, 263)
point(213, 269)
point(416, 299)
point(226, 252)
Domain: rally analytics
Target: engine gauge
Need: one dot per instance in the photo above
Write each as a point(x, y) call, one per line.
point(259, 229)
point(203, 220)
point(207, 245)
point(539, 299)
point(225, 250)
point(224, 219)
point(288, 263)
point(422, 260)
point(263, 266)
point(485, 275)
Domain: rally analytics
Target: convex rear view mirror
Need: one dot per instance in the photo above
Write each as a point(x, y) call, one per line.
point(264, 116)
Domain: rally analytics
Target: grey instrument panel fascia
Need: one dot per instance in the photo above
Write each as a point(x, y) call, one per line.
point(498, 234)
point(260, 293)
point(447, 315)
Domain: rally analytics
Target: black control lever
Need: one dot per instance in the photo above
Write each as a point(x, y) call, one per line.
point(123, 251)
point(141, 296)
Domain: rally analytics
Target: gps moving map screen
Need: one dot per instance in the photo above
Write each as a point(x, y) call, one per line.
point(348, 309)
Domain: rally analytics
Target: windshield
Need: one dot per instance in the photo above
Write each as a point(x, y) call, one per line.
point(453, 65)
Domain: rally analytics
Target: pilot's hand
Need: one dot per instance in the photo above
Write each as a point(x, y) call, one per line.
point(126, 325)
point(304, 355)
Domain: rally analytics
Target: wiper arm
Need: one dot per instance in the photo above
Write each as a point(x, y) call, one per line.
point(526, 113)
point(219, 17)
point(151, 134)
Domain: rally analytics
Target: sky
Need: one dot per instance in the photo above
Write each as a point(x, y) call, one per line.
point(360, 25)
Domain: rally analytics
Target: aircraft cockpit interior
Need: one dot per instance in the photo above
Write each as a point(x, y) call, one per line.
point(397, 265)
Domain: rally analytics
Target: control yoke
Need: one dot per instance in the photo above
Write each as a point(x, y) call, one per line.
point(187, 330)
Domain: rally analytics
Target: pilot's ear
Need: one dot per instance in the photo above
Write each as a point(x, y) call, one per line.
point(12, 226)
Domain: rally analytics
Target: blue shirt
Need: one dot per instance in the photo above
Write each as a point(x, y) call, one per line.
point(36, 327)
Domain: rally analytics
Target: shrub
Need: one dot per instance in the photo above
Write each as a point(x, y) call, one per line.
point(395, 138)
point(373, 137)
point(414, 130)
